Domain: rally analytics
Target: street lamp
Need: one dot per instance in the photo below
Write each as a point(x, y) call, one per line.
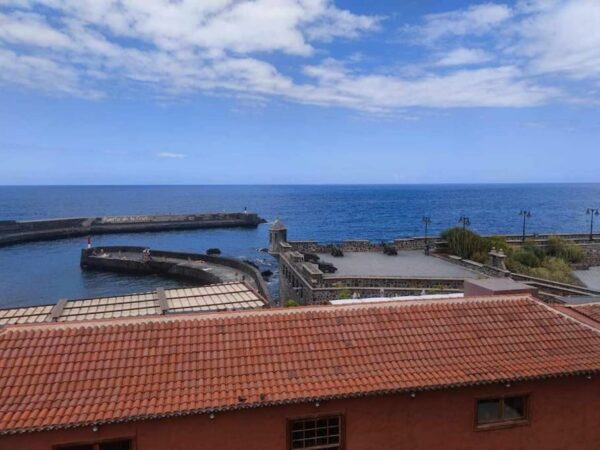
point(426, 221)
point(465, 221)
point(592, 212)
point(526, 215)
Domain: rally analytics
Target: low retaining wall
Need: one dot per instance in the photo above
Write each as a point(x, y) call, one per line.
point(362, 245)
point(436, 243)
point(549, 289)
point(92, 259)
point(325, 295)
point(393, 282)
point(13, 232)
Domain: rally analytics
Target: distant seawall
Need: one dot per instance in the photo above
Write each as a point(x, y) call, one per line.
point(14, 232)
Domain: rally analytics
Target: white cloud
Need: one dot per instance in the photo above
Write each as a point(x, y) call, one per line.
point(174, 48)
point(474, 20)
point(564, 39)
point(464, 56)
point(171, 155)
point(487, 87)
point(41, 73)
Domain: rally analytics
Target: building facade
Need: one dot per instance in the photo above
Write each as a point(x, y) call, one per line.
point(492, 372)
point(561, 414)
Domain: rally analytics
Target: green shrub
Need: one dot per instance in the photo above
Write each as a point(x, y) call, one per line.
point(560, 248)
point(555, 269)
point(532, 247)
point(527, 258)
point(344, 294)
point(480, 257)
point(551, 263)
point(291, 303)
point(497, 242)
point(469, 245)
point(464, 243)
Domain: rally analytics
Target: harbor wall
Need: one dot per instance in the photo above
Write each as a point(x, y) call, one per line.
point(14, 232)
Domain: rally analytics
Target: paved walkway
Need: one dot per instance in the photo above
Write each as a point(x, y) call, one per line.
point(225, 273)
point(407, 263)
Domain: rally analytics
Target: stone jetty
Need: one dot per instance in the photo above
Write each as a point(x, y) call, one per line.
point(13, 232)
point(204, 269)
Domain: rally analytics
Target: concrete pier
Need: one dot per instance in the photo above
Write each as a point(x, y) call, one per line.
point(14, 232)
point(204, 269)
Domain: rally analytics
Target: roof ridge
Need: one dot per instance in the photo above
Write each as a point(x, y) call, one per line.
point(217, 315)
point(572, 317)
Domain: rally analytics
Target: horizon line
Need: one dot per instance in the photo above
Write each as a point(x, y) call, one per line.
point(486, 183)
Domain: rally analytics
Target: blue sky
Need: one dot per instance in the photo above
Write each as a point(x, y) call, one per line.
point(298, 91)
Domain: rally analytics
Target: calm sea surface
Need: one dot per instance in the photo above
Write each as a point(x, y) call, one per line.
point(43, 272)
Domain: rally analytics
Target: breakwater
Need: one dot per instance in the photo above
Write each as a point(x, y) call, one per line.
point(205, 269)
point(14, 232)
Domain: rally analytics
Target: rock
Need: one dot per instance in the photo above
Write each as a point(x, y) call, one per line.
point(266, 274)
point(326, 267)
point(213, 251)
point(389, 250)
point(311, 257)
point(263, 250)
point(336, 252)
point(252, 263)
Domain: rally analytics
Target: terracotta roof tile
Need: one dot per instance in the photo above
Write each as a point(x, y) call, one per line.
point(590, 310)
point(66, 374)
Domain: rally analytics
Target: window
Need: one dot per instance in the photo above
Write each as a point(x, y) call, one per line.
point(124, 444)
point(501, 410)
point(319, 433)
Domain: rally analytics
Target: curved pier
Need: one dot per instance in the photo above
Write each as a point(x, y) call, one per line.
point(202, 268)
point(14, 232)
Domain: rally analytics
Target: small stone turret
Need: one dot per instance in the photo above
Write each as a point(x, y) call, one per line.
point(497, 258)
point(277, 235)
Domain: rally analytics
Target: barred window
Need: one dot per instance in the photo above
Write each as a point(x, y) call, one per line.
point(319, 433)
point(501, 410)
point(111, 445)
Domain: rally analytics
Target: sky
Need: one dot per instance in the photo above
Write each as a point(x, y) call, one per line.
point(299, 91)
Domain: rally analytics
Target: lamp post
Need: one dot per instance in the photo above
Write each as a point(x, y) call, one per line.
point(465, 221)
point(526, 215)
point(592, 212)
point(426, 221)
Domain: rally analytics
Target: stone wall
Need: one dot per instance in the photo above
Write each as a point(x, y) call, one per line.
point(592, 254)
point(393, 282)
point(361, 245)
point(320, 296)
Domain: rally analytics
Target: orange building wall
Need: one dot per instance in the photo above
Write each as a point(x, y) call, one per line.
point(565, 414)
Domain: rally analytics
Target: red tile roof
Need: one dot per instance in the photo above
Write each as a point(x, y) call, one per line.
point(590, 310)
point(69, 374)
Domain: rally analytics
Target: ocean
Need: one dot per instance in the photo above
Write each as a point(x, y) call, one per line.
point(43, 272)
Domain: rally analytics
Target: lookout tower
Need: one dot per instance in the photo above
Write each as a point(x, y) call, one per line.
point(277, 235)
